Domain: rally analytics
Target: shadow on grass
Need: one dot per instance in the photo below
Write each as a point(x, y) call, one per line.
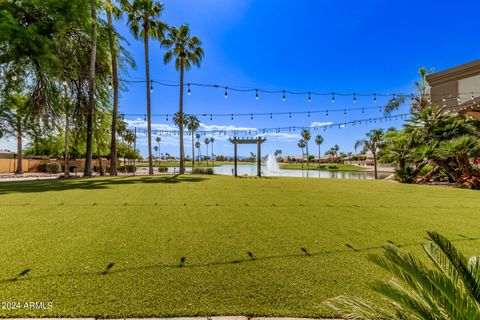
point(90, 183)
point(251, 258)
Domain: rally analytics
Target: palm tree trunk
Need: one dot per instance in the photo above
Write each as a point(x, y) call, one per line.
point(206, 154)
point(180, 119)
point(375, 164)
point(113, 55)
point(65, 160)
point(91, 94)
point(193, 153)
point(213, 158)
point(19, 147)
point(306, 149)
point(149, 122)
point(319, 153)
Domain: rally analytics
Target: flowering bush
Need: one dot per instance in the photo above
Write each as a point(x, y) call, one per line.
point(470, 182)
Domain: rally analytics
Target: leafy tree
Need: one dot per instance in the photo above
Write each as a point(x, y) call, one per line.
point(144, 22)
point(187, 50)
point(450, 289)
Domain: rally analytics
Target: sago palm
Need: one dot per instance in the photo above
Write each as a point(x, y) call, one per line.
point(187, 50)
point(144, 22)
point(450, 289)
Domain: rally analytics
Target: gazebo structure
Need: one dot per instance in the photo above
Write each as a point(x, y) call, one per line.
point(258, 141)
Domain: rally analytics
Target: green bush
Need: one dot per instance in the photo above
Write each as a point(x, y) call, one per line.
point(425, 170)
point(406, 175)
point(128, 168)
point(162, 169)
point(203, 171)
point(54, 167)
point(333, 167)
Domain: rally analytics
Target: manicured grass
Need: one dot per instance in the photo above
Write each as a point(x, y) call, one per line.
point(211, 245)
point(323, 166)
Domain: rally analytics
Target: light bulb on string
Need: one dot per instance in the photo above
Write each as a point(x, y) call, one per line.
point(211, 117)
point(374, 98)
point(251, 116)
point(308, 114)
point(326, 113)
point(363, 110)
point(226, 92)
point(354, 98)
point(166, 117)
point(271, 116)
point(333, 97)
point(256, 94)
point(411, 97)
point(151, 88)
point(232, 117)
point(344, 111)
point(289, 114)
point(189, 92)
point(283, 98)
point(309, 97)
point(145, 118)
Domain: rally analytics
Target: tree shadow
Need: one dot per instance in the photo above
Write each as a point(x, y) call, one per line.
point(90, 183)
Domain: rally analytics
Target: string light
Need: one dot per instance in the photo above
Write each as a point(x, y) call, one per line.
point(151, 88)
point(226, 92)
point(256, 94)
point(283, 98)
point(394, 99)
point(333, 97)
point(354, 98)
point(309, 97)
point(374, 98)
point(188, 89)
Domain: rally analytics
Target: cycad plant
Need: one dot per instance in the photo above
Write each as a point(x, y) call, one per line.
point(450, 289)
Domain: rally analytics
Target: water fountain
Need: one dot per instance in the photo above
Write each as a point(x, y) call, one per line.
point(272, 165)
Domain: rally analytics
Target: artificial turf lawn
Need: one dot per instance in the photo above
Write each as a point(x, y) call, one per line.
point(211, 245)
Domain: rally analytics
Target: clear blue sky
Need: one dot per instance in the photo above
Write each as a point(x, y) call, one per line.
point(343, 46)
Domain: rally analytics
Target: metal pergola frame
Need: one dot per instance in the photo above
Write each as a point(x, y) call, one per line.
point(258, 141)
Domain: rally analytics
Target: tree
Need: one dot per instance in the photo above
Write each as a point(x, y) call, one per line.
point(198, 145)
point(144, 22)
point(206, 141)
point(319, 142)
point(449, 290)
point(212, 140)
point(277, 153)
point(187, 51)
point(372, 143)
point(306, 137)
point(158, 139)
point(301, 144)
point(192, 125)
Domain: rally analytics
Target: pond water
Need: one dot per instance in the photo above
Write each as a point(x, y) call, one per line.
point(251, 170)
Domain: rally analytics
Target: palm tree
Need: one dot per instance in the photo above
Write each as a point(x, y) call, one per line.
point(198, 145)
point(158, 139)
point(372, 143)
point(91, 91)
point(306, 137)
point(319, 141)
point(187, 51)
point(301, 144)
point(206, 141)
point(192, 125)
point(144, 23)
point(129, 137)
point(449, 290)
point(156, 152)
point(212, 140)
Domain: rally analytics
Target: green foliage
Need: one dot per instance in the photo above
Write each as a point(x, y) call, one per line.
point(129, 168)
point(405, 175)
point(202, 170)
point(162, 169)
point(450, 289)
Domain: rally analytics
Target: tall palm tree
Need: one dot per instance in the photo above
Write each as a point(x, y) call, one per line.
point(187, 51)
point(192, 125)
point(206, 141)
point(158, 139)
point(306, 137)
point(155, 148)
point(301, 144)
point(212, 140)
point(198, 145)
point(449, 290)
point(144, 22)
point(319, 142)
point(91, 91)
point(129, 137)
point(372, 143)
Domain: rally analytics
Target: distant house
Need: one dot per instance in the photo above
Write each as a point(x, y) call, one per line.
point(457, 89)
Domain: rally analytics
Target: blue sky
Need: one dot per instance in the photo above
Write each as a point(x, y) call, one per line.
point(343, 46)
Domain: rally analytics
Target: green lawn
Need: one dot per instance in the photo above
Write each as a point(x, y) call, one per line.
point(324, 166)
point(211, 245)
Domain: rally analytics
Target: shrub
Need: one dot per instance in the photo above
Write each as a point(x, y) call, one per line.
point(470, 182)
point(162, 169)
point(333, 167)
point(203, 171)
point(54, 167)
point(406, 175)
point(425, 170)
point(42, 167)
